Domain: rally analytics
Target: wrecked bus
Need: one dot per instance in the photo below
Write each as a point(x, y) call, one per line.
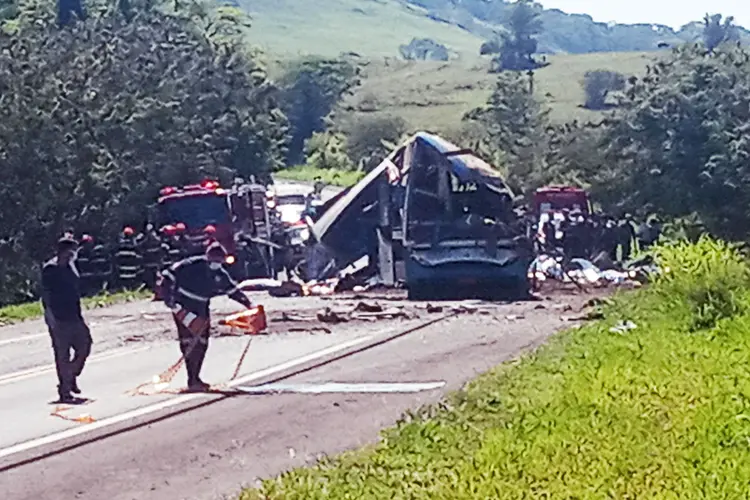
point(433, 216)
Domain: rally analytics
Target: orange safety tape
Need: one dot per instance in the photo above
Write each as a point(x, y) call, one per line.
point(251, 321)
point(83, 418)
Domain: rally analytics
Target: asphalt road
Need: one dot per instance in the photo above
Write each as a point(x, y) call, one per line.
point(207, 446)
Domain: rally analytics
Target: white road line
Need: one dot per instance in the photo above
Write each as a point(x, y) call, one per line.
point(41, 370)
point(123, 417)
point(343, 388)
point(22, 339)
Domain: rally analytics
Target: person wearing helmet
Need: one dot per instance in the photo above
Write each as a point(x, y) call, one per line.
point(61, 300)
point(85, 265)
point(128, 261)
point(150, 247)
point(189, 285)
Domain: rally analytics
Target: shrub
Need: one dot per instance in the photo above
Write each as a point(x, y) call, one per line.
point(710, 276)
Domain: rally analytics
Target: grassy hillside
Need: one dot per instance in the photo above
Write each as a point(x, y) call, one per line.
point(373, 28)
point(435, 95)
point(378, 27)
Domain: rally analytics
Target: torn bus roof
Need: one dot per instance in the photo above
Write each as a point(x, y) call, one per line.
point(465, 165)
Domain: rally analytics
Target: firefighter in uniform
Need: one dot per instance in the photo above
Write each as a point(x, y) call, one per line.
point(127, 260)
point(85, 265)
point(153, 256)
point(101, 266)
point(188, 286)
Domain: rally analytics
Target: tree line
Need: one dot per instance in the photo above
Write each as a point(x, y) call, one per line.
point(678, 146)
point(101, 105)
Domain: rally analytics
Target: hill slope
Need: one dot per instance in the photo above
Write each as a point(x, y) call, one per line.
point(372, 28)
point(435, 95)
point(377, 28)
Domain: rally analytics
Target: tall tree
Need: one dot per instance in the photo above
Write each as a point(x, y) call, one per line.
point(311, 89)
point(515, 49)
point(716, 32)
point(97, 116)
point(514, 123)
point(682, 145)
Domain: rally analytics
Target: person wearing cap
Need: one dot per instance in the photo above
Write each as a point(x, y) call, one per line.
point(188, 286)
point(61, 300)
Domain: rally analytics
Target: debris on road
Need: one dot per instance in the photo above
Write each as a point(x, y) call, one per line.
point(582, 273)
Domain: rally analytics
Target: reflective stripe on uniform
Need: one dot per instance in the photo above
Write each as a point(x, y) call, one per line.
point(191, 295)
point(126, 253)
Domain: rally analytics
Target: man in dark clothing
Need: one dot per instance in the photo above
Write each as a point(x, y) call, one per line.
point(188, 286)
point(61, 299)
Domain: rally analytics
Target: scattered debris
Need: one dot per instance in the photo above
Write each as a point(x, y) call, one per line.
point(329, 316)
point(583, 272)
point(368, 308)
point(623, 327)
point(434, 309)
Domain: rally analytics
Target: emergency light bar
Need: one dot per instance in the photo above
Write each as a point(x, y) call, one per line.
point(205, 185)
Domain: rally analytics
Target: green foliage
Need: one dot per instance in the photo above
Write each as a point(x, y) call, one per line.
point(711, 276)
point(327, 151)
point(370, 139)
point(716, 32)
point(652, 412)
point(598, 84)
point(682, 143)
point(516, 48)
point(514, 123)
point(424, 49)
point(311, 89)
point(96, 117)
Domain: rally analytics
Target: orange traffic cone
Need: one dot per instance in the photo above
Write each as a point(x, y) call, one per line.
point(251, 321)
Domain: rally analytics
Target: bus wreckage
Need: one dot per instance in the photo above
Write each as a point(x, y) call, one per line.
point(431, 216)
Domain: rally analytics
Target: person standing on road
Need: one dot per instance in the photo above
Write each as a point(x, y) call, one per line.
point(61, 299)
point(188, 286)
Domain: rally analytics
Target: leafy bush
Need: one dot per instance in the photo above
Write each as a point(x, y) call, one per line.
point(327, 151)
point(711, 276)
point(370, 139)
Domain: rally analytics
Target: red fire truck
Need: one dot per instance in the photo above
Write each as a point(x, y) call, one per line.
point(559, 198)
point(236, 217)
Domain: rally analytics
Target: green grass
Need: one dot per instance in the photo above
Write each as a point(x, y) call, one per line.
point(32, 310)
point(305, 173)
point(660, 411)
point(435, 95)
point(374, 28)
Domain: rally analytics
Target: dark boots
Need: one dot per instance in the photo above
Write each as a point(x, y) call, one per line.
point(194, 362)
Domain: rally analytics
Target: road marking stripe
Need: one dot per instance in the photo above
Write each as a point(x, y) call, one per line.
point(41, 370)
point(121, 321)
point(22, 339)
point(123, 417)
point(339, 387)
